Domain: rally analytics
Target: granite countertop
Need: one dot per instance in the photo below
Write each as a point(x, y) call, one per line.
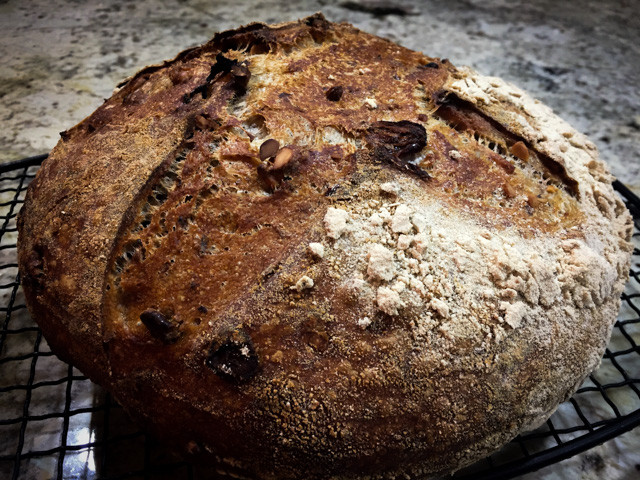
point(61, 58)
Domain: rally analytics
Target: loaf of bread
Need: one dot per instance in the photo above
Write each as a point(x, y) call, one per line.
point(303, 251)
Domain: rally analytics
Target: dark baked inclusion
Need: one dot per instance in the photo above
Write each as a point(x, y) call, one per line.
point(234, 360)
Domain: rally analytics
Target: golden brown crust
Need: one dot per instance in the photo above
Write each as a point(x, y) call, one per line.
point(397, 282)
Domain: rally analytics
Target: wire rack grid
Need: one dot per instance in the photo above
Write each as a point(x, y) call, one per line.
point(56, 423)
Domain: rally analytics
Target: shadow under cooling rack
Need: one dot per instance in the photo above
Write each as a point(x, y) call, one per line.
point(55, 423)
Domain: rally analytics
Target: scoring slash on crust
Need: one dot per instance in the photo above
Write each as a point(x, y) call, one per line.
point(325, 254)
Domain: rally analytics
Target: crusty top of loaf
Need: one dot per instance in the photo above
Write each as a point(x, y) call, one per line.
point(427, 262)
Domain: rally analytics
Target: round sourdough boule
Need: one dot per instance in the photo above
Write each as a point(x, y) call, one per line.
point(302, 251)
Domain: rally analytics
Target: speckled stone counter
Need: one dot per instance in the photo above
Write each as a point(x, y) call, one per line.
point(60, 59)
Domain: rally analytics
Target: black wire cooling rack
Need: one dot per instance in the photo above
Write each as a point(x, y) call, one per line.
point(55, 423)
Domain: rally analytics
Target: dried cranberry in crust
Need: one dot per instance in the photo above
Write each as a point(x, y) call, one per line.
point(159, 326)
point(392, 142)
point(233, 359)
point(401, 138)
point(334, 93)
